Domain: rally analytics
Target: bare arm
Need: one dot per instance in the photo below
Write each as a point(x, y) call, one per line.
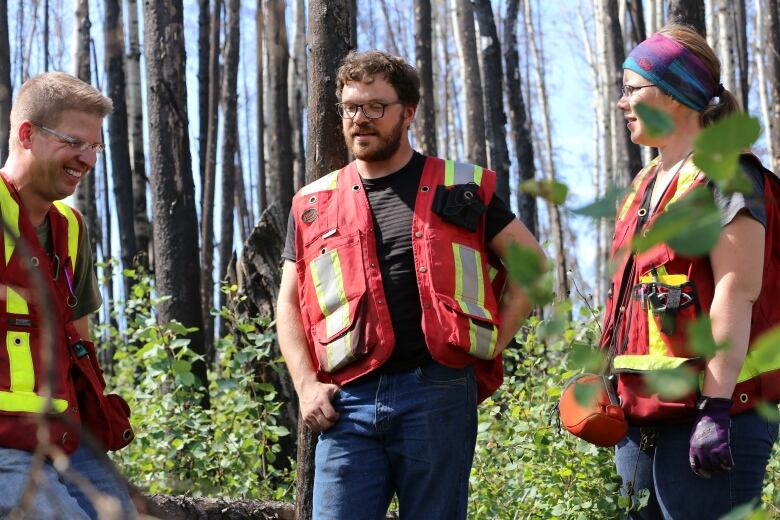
point(82, 326)
point(737, 267)
point(313, 396)
point(514, 306)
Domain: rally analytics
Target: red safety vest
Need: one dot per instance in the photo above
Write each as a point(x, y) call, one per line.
point(343, 305)
point(77, 392)
point(648, 341)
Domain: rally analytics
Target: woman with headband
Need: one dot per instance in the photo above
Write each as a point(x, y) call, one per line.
point(704, 453)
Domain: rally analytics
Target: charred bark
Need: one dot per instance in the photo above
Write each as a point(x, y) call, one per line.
point(689, 12)
point(425, 120)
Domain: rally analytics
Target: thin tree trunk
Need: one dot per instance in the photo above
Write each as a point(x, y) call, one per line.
point(492, 84)
point(242, 205)
point(773, 59)
point(280, 145)
point(521, 136)
point(46, 35)
point(476, 151)
point(204, 71)
point(725, 44)
point(229, 143)
point(262, 197)
point(689, 12)
point(173, 190)
point(330, 26)
point(636, 14)
point(86, 201)
point(389, 28)
point(6, 87)
point(114, 40)
point(711, 23)
point(425, 120)
point(297, 91)
point(210, 180)
point(556, 222)
point(143, 228)
point(740, 34)
point(761, 78)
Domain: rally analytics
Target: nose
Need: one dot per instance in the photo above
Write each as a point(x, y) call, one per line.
point(360, 116)
point(622, 103)
point(88, 157)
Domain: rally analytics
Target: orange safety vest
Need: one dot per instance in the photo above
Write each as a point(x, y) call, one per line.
point(345, 316)
point(77, 392)
point(657, 341)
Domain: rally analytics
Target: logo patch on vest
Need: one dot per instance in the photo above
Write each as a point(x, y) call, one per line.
point(309, 216)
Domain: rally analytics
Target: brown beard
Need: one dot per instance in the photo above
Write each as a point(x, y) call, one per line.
point(387, 147)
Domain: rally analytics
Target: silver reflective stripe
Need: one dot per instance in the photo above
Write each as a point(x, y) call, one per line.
point(340, 351)
point(483, 339)
point(464, 173)
point(469, 283)
point(325, 183)
point(329, 284)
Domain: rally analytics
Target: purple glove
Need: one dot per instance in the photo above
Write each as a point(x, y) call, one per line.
point(709, 449)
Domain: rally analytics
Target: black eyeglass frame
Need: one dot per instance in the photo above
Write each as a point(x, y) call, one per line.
point(628, 90)
point(344, 113)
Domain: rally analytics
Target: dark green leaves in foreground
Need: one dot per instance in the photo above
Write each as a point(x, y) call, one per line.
point(606, 206)
point(717, 149)
point(656, 123)
point(529, 272)
point(691, 226)
point(552, 191)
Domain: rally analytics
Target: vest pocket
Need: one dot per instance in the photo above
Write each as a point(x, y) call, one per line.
point(335, 290)
point(672, 305)
point(474, 334)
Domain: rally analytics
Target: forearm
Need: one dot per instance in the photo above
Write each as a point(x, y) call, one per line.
point(292, 342)
point(730, 313)
point(514, 308)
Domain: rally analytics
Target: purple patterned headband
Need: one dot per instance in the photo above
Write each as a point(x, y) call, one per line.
point(675, 70)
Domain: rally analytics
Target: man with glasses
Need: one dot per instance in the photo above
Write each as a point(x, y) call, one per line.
point(49, 289)
point(392, 312)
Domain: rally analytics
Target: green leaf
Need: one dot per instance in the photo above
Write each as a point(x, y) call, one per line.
point(700, 337)
point(718, 147)
point(768, 411)
point(656, 122)
point(606, 206)
point(766, 349)
point(180, 366)
point(586, 392)
point(525, 266)
point(552, 191)
point(747, 511)
point(583, 356)
point(690, 226)
point(672, 384)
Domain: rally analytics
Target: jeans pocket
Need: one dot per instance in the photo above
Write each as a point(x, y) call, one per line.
point(437, 374)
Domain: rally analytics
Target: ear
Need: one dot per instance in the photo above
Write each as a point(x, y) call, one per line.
point(409, 113)
point(25, 134)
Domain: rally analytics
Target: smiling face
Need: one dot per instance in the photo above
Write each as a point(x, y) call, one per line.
point(56, 168)
point(375, 140)
point(651, 96)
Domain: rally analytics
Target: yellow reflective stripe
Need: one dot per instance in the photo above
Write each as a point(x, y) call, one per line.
point(10, 211)
point(325, 183)
point(478, 175)
point(685, 178)
point(647, 363)
point(635, 186)
point(655, 343)
point(28, 402)
point(73, 230)
point(329, 286)
point(758, 362)
point(15, 303)
point(449, 173)
point(20, 362)
point(483, 340)
point(469, 281)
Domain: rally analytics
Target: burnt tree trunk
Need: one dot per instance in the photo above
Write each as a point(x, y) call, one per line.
point(297, 91)
point(773, 66)
point(229, 143)
point(425, 120)
point(204, 19)
point(740, 33)
point(492, 87)
point(476, 151)
point(521, 135)
point(262, 194)
point(279, 128)
point(209, 182)
point(689, 12)
point(114, 40)
point(636, 13)
point(173, 190)
point(6, 87)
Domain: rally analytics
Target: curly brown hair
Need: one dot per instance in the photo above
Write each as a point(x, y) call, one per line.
point(366, 66)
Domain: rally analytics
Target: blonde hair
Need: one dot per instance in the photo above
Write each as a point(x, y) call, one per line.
point(687, 36)
point(43, 98)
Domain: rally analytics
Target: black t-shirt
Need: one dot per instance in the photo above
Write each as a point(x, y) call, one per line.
point(392, 200)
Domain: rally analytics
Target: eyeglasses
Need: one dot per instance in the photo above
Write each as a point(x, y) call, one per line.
point(372, 109)
point(628, 90)
point(73, 142)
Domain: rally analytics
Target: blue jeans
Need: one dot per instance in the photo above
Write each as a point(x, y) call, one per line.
point(56, 498)
point(676, 492)
point(410, 434)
